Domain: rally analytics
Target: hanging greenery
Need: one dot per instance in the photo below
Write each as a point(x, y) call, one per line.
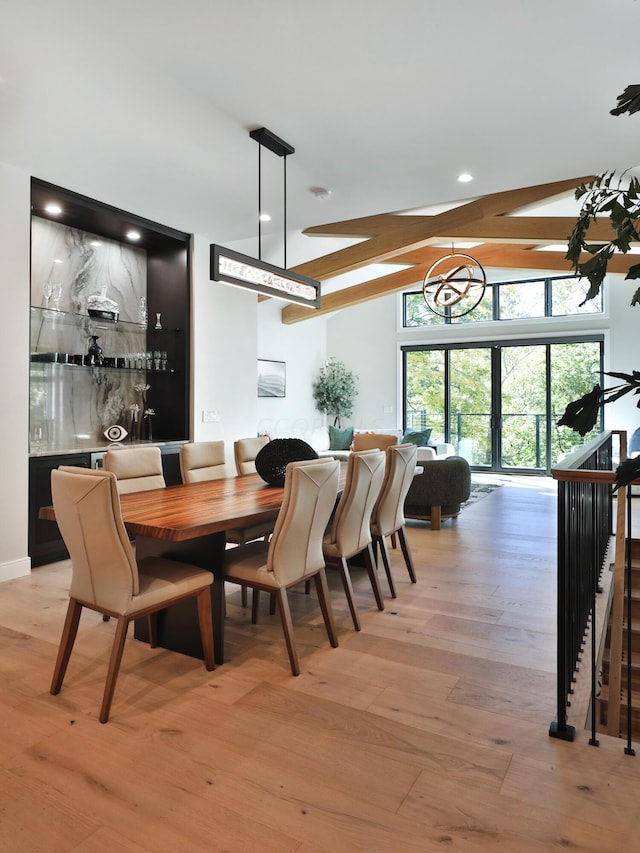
point(334, 390)
point(616, 195)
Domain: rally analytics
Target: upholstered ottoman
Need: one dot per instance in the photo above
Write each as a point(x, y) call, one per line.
point(438, 492)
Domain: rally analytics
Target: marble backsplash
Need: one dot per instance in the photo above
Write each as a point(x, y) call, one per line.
point(83, 263)
point(71, 403)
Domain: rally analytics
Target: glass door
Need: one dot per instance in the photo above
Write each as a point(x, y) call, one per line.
point(498, 404)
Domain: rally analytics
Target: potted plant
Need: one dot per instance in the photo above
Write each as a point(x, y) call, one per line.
point(334, 390)
point(616, 195)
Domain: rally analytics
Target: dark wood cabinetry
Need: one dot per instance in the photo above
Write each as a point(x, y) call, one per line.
point(72, 402)
point(45, 542)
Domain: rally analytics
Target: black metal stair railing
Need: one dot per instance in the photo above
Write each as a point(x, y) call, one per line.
point(585, 517)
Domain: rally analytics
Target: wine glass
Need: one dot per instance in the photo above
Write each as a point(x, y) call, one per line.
point(47, 290)
point(56, 293)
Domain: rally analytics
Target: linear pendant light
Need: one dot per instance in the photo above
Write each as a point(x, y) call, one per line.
point(231, 267)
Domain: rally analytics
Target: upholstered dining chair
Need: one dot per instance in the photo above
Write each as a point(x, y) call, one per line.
point(137, 469)
point(106, 576)
point(294, 553)
point(388, 513)
point(245, 451)
point(373, 441)
point(202, 460)
point(350, 531)
point(205, 460)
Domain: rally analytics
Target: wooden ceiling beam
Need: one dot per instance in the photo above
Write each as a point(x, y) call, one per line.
point(524, 229)
point(489, 255)
point(387, 246)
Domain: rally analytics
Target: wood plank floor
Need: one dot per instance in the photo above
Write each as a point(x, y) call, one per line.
point(426, 731)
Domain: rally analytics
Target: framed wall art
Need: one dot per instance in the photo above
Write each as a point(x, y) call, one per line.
point(272, 378)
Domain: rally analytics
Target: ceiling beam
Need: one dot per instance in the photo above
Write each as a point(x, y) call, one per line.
point(490, 255)
point(387, 246)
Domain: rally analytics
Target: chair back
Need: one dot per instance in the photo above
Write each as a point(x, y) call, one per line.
point(87, 508)
point(245, 451)
point(400, 469)
point(351, 527)
point(138, 469)
point(373, 440)
point(202, 460)
point(310, 491)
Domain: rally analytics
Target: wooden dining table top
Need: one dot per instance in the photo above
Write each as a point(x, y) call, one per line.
point(191, 510)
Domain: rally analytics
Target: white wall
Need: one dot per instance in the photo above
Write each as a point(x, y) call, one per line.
point(223, 328)
point(15, 215)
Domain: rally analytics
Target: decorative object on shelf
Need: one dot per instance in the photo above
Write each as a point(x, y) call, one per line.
point(101, 307)
point(94, 353)
point(143, 313)
point(271, 378)
point(452, 287)
point(115, 433)
point(158, 323)
point(148, 414)
point(56, 294)
point(141, 410)
point(134, 429)
point(272, 460)
point(334, 390)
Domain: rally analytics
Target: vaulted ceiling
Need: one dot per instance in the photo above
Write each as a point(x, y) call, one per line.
point(505, 239)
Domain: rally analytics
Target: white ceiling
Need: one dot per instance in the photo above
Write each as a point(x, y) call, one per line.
point(147, 104)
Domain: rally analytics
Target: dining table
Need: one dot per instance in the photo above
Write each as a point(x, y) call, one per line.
point(188, 522)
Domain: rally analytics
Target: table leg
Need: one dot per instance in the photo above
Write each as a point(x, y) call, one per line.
point(178, 627)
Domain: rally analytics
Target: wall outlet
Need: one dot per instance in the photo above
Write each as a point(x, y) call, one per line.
point(210, 417)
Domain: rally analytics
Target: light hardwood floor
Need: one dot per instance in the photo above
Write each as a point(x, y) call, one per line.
point(426, 731)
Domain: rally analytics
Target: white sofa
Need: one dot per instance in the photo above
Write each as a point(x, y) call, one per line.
point(318, 438)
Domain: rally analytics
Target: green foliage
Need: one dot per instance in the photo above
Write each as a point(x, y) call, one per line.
point(617, 196)
point(334, 390)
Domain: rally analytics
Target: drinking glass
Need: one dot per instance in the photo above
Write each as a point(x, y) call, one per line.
point(47, 290)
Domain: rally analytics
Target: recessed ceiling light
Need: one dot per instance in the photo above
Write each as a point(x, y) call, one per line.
point(465, 177)
point(321, 192)
point(133, 235)
point(53, 208)
point(264, 217)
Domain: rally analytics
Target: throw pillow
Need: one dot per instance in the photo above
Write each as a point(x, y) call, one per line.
point(420, 438)
point(340, 439)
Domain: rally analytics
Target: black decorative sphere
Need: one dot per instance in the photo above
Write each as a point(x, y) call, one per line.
point(272, 460)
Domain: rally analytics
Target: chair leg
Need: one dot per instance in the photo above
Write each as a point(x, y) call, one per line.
point(436, 517)
point(67, 640)
point(307, 587)
point(370, 560)
point(348, 591)
point(287, 629)
point(152, 622)
point(243, 596)
point(406, 553)
point(393, 541)
point(206, 626)
point(254, 606)
point(114, 667)
point(387, 565)
point(272, 603)
point(325, 605)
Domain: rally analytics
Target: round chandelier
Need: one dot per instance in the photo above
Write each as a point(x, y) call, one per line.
point(454, 285)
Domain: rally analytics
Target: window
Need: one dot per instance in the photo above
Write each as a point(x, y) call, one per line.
point(555, 296)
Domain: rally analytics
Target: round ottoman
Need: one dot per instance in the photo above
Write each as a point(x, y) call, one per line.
point(272, 460)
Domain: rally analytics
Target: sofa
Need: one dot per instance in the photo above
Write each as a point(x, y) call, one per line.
point(321, 439)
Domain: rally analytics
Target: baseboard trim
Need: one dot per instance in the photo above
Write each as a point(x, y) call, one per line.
point(15, 569)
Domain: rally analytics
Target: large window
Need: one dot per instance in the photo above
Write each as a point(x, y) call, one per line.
point(555, 296)
point(499, 403)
